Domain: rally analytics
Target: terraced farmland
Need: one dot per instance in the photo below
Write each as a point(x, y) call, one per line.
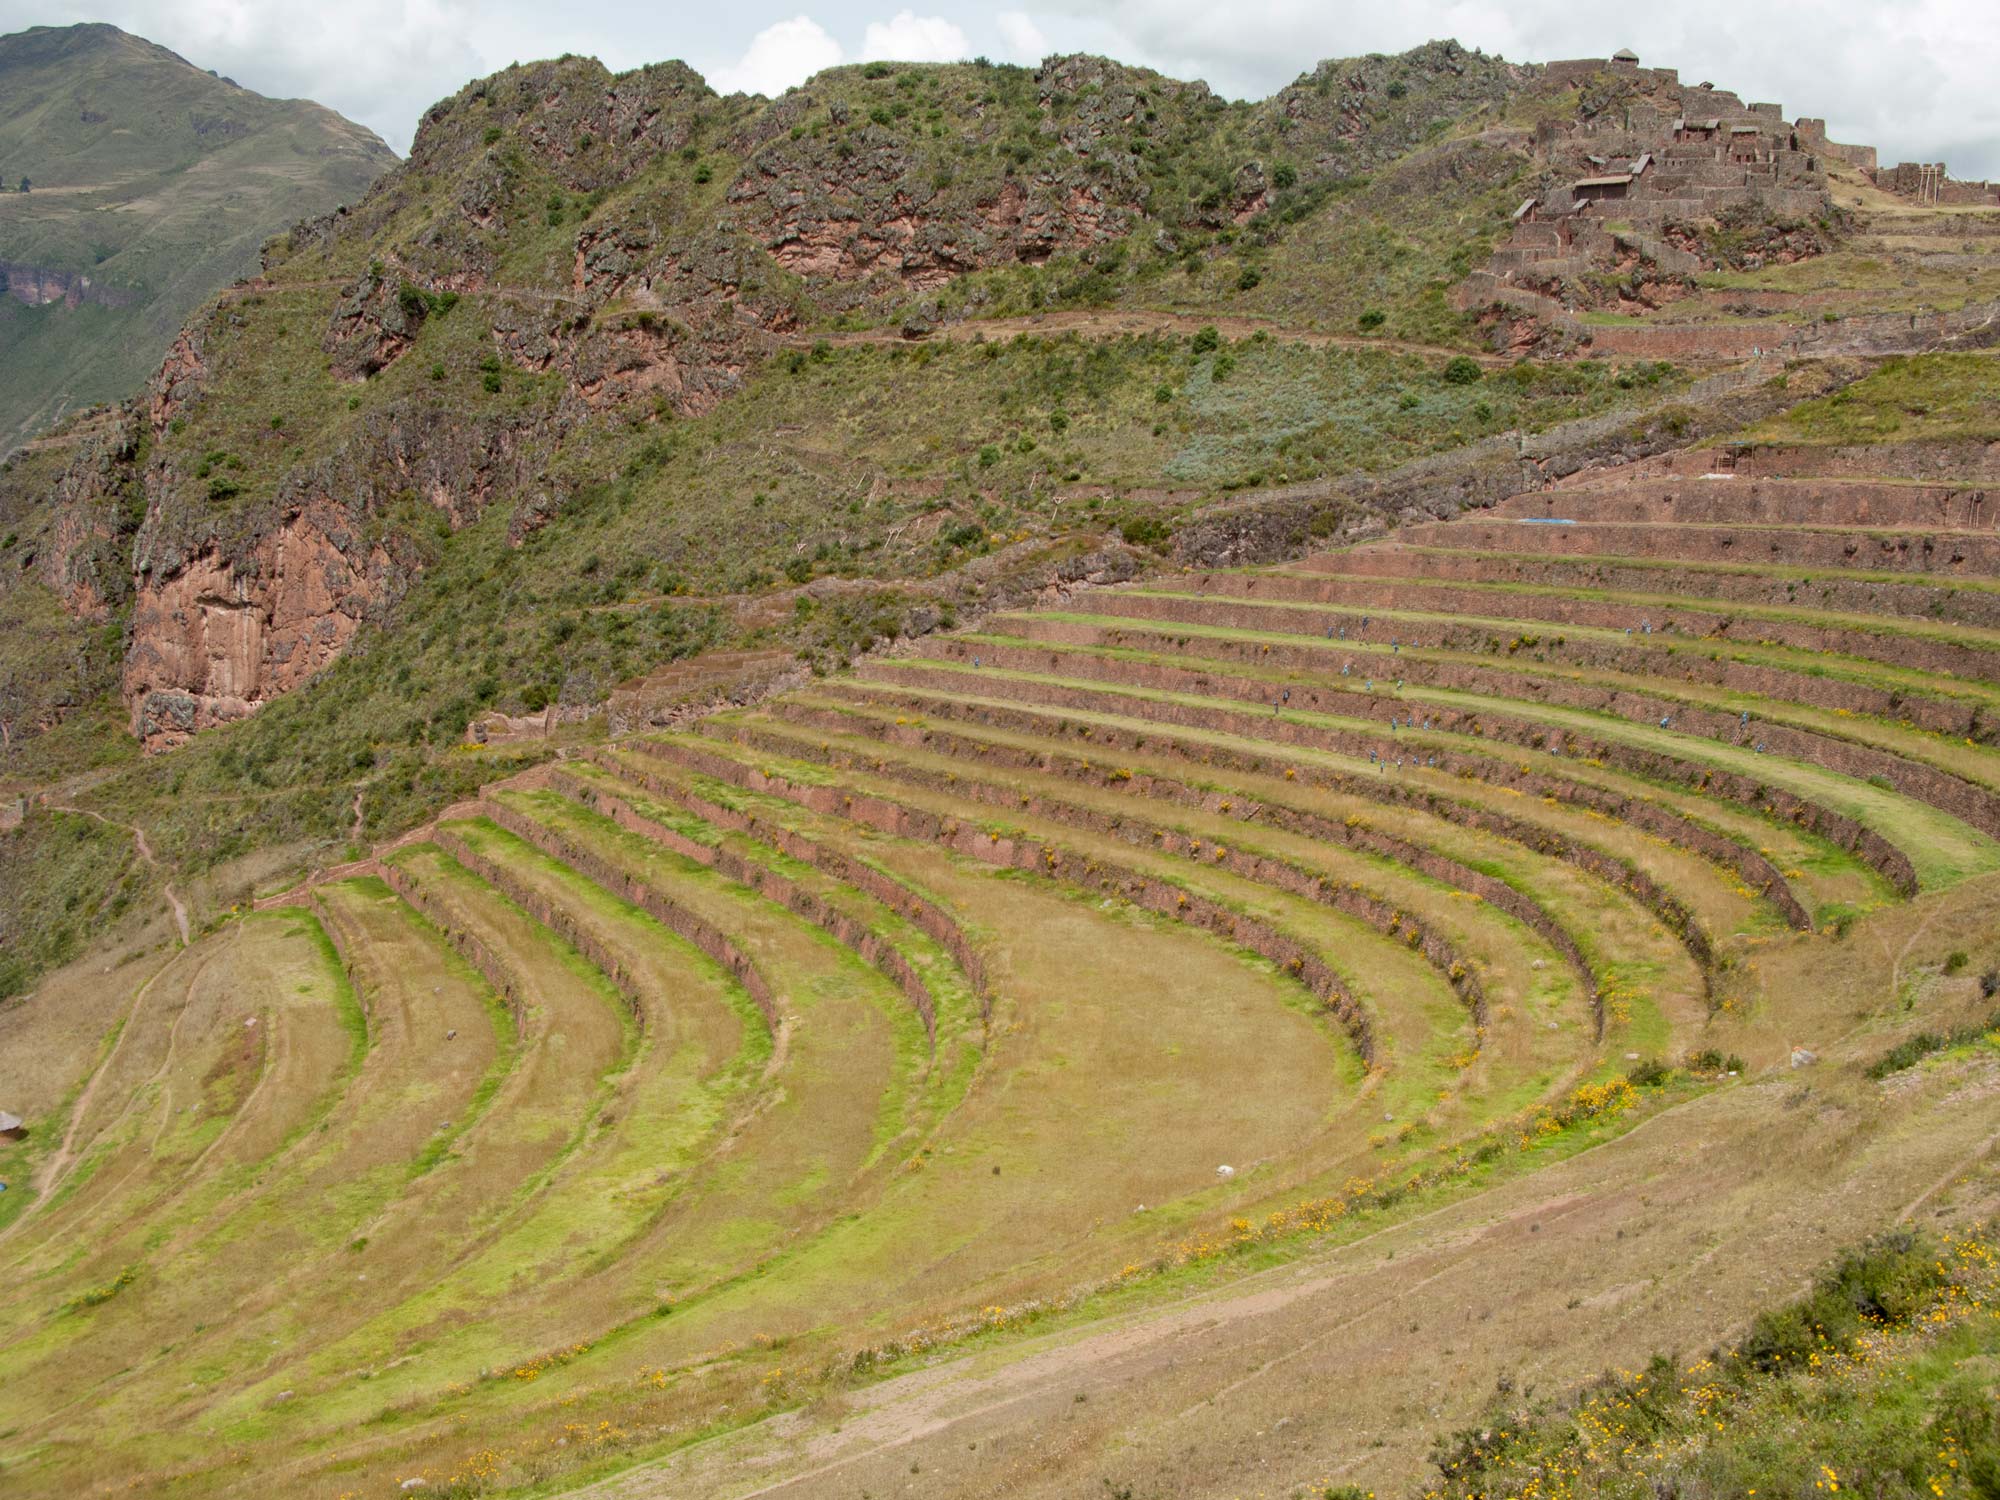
point(1046, 955)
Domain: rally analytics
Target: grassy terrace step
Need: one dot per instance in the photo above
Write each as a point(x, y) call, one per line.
point(1721, 500)
point(869, 926)
point(1399, 898)
point(1719, 836)
point(1405, 1034)
point(266, 1016)
point(1081, 849)
point(1120, 1100)
point(278, 1246)
point(1056, 862)
point(1782, 789)
point(630, 791)
point(1546, 846)
point(577, 1038)
point(1238, 786)
point(1922, 817)
point(1210, 842)
point(1943, 612)
point(1071, 973)
point(1850, 685)
point(1934, 555)
point(854, 1096)
point(1949, 774)
point(700, 1050)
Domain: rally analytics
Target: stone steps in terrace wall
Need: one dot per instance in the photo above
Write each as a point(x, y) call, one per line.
point(918, 712)
point(1945, 462)
point(1846, 749)
point(1336, 886)
point(1204, 740)
point(1519, 691)
point(1049, 759)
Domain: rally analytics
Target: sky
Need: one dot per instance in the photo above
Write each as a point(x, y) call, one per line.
point(1913, 77)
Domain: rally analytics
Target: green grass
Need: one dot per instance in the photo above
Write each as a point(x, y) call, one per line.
point(1924, 398)
point(1943, 849)
point(63, 879)
point(1872, 1383)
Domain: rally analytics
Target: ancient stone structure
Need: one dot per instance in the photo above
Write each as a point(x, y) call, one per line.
point(1643, 157)
point(1930, 182)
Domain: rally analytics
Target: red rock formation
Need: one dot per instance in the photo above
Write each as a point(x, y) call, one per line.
point(213, 642)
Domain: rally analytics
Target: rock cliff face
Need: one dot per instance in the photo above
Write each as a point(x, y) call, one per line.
point(225, 619)
point(216, 638)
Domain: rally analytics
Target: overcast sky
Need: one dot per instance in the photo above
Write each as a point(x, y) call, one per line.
point(1915, 77)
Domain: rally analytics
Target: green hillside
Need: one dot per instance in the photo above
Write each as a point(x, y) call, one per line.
point(153, 183)
point(1016, 781)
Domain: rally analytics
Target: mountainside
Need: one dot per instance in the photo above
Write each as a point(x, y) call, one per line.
point(152, 184)
point(1014, 781)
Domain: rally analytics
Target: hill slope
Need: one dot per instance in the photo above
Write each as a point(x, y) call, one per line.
point(153, 184)
point(464, 1059)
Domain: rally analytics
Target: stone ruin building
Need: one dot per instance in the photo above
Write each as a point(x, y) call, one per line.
point(1653, 153)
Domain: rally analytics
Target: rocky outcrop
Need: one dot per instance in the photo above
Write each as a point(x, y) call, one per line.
point(375, 320)
point(218, 637)
point(97, 507)
point(180, 378)
point(42, 286)
point(226, 618)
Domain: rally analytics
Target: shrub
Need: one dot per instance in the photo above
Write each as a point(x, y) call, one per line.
point(1371, 320)
point(492, 134)
point(1914, 1049)
point(1146, 531)
point(1881, 1283)
point(1206, 340)
point(1248, 278)
point(989, 455)
point(1647, 1073)
point(1709, 1060)
point(1989, 983)
point(1462, 370)
point(1956, 963)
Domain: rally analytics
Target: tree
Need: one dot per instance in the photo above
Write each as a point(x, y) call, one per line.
point(25, 184)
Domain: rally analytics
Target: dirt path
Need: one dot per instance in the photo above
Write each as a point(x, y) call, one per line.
point(1101, 324)
point(1340, 1368)
point(57, 1167)
point(370, 864)
point(145, 852)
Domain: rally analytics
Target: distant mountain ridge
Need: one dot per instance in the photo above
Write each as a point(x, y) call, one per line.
point(152, 184)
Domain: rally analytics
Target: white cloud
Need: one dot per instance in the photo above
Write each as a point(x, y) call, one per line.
point(910, 37)
point(1024, 39)
point(778, 57)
